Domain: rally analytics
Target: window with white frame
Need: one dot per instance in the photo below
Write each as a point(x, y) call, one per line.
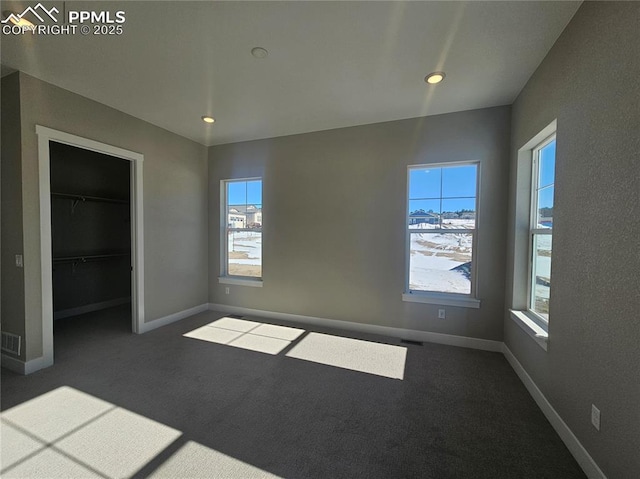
point(541, 227)
point(241, 242)
point(442, 228)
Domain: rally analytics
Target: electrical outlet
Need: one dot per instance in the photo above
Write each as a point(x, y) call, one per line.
point(595, 416)
point(441, 314)
point(19, 263)
point(226, 290)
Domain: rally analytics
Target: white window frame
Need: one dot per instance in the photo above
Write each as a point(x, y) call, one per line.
point(534, 230)
point(225, 277)
point(436, 297)
point(534, 325)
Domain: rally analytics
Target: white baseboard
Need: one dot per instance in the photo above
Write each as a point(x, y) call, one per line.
point(578, 451)
point(411, 334)
point(18, 366)
point(90, 308)
point(172, 318)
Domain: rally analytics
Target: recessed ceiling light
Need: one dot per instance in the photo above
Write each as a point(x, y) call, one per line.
point(208, 119)
point(259, 52)
point(435, 77)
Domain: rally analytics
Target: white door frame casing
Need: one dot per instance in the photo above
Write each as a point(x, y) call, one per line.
point(45, 135)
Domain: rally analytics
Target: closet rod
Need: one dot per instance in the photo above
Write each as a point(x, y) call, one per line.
point(90, 257)
point(89, 198)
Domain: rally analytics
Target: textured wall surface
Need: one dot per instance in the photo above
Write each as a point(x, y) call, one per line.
point(175, 199)
point(589, 82)
point(334, 208)
point(12, 281)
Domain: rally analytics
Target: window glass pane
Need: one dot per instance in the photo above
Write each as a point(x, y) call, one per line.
point(245, 253)
point(545, 208)
point(547, 165)
point(440, 262)
point(541, 274)
point(254, 192)
point(244, 211)
point(459, 181)
point(424, 214)
point(424, 183)
point(237, 193)
point(458, 213)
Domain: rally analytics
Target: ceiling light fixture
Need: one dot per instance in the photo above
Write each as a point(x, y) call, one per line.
point(435, 77)
point(259, 52)
point(208, 119)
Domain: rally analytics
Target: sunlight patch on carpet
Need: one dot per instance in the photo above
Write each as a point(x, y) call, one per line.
point(127, 441)
point(240, 333)
point(364, 356)
point(68, 433)
point(51, 465)
point(56, 413)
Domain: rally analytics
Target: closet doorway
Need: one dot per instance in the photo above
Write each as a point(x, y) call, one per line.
point(91, 245)
point(91, 240)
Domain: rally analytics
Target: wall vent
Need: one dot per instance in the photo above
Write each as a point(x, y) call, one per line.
point(408, 341)
point(11, 343)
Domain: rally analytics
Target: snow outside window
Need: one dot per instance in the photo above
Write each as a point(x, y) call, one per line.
point(242, 230)
point(441, 228)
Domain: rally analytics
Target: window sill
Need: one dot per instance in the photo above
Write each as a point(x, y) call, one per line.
point(441, 299)
point(529, 326)
point(256, 283)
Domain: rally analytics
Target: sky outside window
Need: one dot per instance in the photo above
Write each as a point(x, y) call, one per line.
point(547, 165)
point(443, 189)
point(546, 179)
point(245, 193)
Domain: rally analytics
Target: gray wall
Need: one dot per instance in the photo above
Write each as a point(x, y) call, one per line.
point(12, 278)
point(589, 82)
point(334, 228)
point(175, 201)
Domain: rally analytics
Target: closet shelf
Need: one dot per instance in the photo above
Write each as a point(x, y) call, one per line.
point(89, 257)
point(89, 198)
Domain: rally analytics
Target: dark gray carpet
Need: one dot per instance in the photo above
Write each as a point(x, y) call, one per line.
point(458, 413)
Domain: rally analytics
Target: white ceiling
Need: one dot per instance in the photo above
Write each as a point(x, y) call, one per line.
point(330, 64)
